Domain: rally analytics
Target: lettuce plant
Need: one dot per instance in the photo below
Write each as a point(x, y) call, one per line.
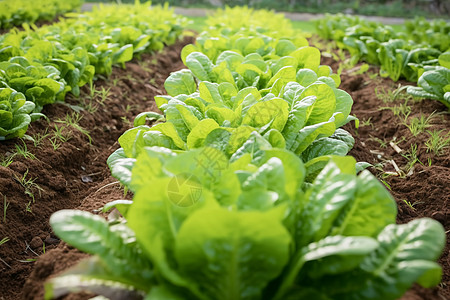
point(400, 54)
point(15, 13)
point(47, 62)
point(434, 83)
point(15, 114)
point(249, 229)
point(41, 85)
point(290, 100)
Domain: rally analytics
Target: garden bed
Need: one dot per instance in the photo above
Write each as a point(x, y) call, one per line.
point(72, 173)
point(75, 175)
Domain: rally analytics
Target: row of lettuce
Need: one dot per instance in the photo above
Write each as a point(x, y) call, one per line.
point(242, 188)
point(39, 66)
point(419, 54)
point(17, 12)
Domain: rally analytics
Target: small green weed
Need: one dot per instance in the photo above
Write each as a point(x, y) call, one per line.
point(437, 142)
point(23, 151)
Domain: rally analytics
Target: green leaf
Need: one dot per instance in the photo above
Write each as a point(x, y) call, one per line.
point(143, 117)
point(132, 140)
point(6, 118)
point(199, 133)
point(61, 286)
point(308, 134)
point(89, 233)
point(121, 166)
point(188, 49)
point(124, 54)
point(331, 191)
point(218, 250)
point(275, 138)
point(200, 66)
point(324, 106)
point(293, 168)
point(121, 205)
point(180, 82)
point(337, 254)
point(308, 57)
point(371, 209)
point(262, 113)
point(297, 119)
point(162, 292)
point(169, 130)
point(444, 59)
point(210, 92)
point(344, 104)
point(232, 59)
point(324, 146)
point(306, 77)
point(284, 47)
point(156, 216)
point(405, 255)
point(149, 165)
point(285, 73)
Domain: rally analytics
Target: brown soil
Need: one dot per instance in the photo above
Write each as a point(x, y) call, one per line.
point(74, 175)
point(420, 191)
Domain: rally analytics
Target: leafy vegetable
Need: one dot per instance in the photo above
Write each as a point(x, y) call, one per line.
point(14, 13)
point(15, 114)
point(334, 239)
point(414, 55)
point(224, 206)
point(47, 62)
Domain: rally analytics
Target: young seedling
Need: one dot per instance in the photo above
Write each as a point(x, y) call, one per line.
point(437, 143)
point(4, 240)
point(38, 138)
point(55, 144)
point(103, 95)
point(6, 160)
point(418, 125)
point(58, 134)
point(92, 90)
point(23, 151)
point(410, 205)
point(73, 121)
point(5, 208)
point(390, 95)
point(384, 95)
point(383, 143)
point(412, 158)
point(367, 122)
point(28, 207)
point(402, 111)
point(115, 81)
point(359, 70)
point(125, 121)
point(100, 95)
point(89, 106)
point(387, 185)
point(29, 185)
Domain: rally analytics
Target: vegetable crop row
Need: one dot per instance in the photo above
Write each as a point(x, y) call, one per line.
point(17, 12)
point(242, 189)
point(419, 54)
point(39, 66)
